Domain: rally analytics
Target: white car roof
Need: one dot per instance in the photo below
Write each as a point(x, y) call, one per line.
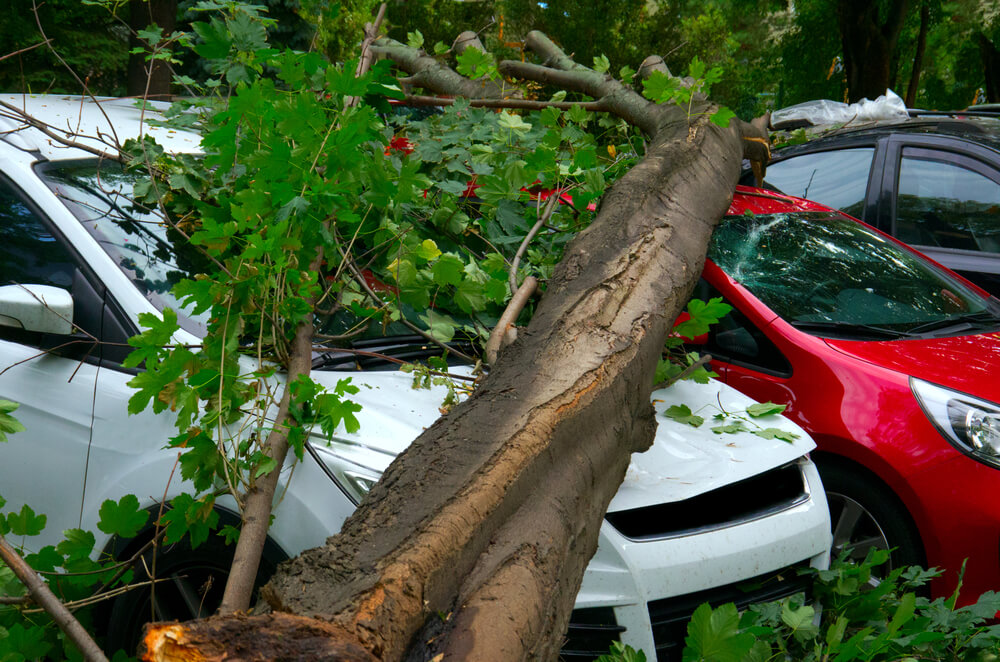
point(88, 121)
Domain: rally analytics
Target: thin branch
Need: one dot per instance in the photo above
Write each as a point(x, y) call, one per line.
point(365, 62)
point(83, 85)
point(43, 596)
point(542, 220)
point(510, 314)
point(26, 49)
point(702, 360)
point(20, 115)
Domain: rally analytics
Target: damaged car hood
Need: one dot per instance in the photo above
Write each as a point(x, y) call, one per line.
point(683, 461)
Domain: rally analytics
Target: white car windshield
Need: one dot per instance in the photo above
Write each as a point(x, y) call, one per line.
point(152, 254)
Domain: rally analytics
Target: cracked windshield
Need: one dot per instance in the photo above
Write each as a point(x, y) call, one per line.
point(830, 276)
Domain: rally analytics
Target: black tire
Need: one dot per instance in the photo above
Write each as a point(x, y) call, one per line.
point(864, 513)
point(190, 585)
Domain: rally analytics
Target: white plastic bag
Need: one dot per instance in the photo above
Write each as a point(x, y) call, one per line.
point(823, 111)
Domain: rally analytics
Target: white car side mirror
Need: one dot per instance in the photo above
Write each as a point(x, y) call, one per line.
point(41, 308)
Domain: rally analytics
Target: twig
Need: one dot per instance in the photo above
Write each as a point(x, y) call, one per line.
point(360, 280)
point(702, 360)
point(365, 63)
point(44, 597)
point(26, 49)
point(506, 322)
point(542, 220)
point(83, 85)
point(44, 128)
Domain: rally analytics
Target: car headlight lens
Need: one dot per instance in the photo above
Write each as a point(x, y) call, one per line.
point(351, 465)
point(971, 424)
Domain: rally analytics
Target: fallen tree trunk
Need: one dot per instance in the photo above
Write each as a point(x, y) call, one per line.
point(474, 543)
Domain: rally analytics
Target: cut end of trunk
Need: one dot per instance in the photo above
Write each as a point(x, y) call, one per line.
point(242, 637)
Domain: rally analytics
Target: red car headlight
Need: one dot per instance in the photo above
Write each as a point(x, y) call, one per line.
point(971, 424)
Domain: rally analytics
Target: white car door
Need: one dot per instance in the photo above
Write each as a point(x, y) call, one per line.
point(45, 466)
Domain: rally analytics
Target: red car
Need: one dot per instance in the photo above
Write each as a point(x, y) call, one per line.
point(890, 361)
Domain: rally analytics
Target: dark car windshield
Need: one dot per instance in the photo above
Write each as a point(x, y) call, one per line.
point(152, 254)
point(832, 276)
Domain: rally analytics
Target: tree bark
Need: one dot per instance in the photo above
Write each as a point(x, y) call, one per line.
point(991, 67)
point(474, 543)
point(149, 79)
point(868, 42)
point(918, 56)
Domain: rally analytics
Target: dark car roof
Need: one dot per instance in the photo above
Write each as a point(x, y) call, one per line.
point(982, 130)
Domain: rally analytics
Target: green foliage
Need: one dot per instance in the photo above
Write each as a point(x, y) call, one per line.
point(8, 424)
point(700, 316)
point(856, 619)
point(622, 653)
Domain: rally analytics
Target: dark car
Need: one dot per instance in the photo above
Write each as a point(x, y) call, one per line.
point(932, 181)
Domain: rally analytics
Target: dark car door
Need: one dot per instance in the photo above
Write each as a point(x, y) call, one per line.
point(942, 196)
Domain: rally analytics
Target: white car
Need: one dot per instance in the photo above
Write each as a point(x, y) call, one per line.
point(699, 514)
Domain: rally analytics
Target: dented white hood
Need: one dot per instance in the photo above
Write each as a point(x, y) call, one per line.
point(683, 461)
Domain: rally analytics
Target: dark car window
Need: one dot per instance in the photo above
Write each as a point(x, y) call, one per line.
point(837, 178)
point(736, 340)
point(944, 204)
point(832, 276)
point(30, 254)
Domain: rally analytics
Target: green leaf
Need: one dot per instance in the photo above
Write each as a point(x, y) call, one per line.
point(76, 544)
point(427, 250)
point(658, 87)
point(776, 433)
point(513, 122)
point(730, 428)
point(26, 523)
point(760, 409)
point(415, 39)
point(448, 270)
point(722, 116)
point(713, 635)
point(124, 518)
point(601, 64)
point(8, 424)
point(682, 414)
point(441, 327)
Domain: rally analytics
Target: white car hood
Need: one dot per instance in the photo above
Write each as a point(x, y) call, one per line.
point(682, 462)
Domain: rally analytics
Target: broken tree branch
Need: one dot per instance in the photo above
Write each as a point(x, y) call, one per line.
point(44, 597)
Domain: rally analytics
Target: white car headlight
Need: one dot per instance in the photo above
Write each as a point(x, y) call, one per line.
point(350, 464)
point(971, 424)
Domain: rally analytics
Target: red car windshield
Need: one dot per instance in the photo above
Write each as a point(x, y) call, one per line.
point(832, 276)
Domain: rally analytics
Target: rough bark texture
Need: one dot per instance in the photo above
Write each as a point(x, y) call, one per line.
point(474, 543)
point(918, 56)
point(991, 68)
point(150, 79)
point(868, 41)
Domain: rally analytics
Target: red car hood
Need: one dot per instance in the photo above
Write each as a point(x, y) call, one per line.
point(970, 364)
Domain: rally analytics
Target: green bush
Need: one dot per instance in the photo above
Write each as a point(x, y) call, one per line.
point(855, 612)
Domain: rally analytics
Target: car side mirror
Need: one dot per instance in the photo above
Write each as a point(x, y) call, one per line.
point(40, 308)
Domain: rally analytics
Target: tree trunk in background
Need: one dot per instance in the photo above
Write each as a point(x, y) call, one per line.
point(153, 84)
point(868, 42)
point(473, 544)
point(918, 57)
point(991, 68)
